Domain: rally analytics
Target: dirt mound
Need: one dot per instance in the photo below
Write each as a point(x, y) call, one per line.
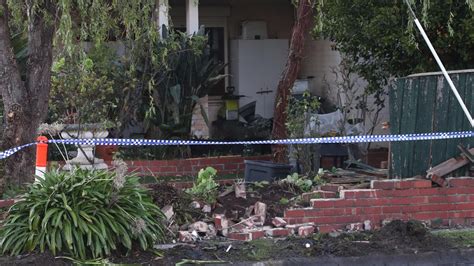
point(403, 232)
point(163, 194)
point(397, 237)
point(271, 195)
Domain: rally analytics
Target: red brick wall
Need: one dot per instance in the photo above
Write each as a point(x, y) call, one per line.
point(392, 199)
point(190, 167)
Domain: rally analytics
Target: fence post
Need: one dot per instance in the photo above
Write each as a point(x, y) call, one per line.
point(41, 156)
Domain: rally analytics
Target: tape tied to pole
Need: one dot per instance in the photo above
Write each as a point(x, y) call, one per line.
point(304, 141)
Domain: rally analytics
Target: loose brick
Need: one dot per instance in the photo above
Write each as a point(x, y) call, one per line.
point(275, 232)
point(355, 227)
point(439, 180)
point(305, 231)
point(327, 228)
point(185, 236)
point(240, 236)
point(260, 210)
point(279, 222)
point(367, 225)
point(221, 224)
point(257, 234)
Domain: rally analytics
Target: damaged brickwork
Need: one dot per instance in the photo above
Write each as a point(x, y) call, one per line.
point(389, 200)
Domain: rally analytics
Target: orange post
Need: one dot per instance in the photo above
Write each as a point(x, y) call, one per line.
point(41, 155)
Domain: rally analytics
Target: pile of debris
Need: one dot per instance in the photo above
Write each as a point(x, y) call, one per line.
point(250, 228)
point(438, 173)
point(240, 213)
point(356, 175)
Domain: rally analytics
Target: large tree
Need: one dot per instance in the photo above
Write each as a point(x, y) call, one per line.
point(66, 23)
point(380, 40)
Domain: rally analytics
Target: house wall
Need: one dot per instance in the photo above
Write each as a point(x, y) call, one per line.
point(319, 61)
point(319, 58)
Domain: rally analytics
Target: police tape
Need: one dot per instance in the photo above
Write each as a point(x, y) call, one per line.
point(319, 140)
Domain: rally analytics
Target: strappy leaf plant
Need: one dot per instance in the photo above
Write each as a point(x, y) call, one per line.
point(83, 214)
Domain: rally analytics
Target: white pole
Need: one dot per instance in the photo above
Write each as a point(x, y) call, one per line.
point(445, 73)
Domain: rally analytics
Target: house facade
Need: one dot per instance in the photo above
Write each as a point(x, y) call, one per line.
point(252, 38)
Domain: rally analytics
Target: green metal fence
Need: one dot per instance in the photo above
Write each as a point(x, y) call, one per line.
point(424, 103)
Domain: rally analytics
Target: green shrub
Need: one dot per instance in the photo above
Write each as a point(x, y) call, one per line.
point(86, 214)
point(301, 182)
point(205, 187)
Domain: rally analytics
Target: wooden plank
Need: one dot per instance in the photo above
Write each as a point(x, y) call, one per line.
point(440, 120)
point(396, 103)
point(410, 99)
point(424, 124)
point(449, 166)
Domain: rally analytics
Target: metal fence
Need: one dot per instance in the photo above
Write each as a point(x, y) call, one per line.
point(424, 103)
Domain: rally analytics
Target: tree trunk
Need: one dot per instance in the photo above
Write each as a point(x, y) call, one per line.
point(303, 22)
point(25, 101)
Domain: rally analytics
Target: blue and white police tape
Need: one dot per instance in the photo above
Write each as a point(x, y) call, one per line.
point(321, 140)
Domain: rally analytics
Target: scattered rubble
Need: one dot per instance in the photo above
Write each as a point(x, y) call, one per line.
point(207, 208)
point(437, 173)
point(168, 212)
point(252, 211)
point(240, 191)
point(278, 222)
point(200, 227)
point(260, 210)
point(195, 205)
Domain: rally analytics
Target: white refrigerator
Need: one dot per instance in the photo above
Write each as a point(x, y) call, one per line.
point(256, 68)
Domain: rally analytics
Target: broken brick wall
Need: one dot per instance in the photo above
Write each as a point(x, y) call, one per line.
point(190, 167)
point(389, 200)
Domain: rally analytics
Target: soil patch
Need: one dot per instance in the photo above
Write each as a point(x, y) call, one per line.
point(164, 194)
point(234, 208)
point(271, 195)
point(397, 237)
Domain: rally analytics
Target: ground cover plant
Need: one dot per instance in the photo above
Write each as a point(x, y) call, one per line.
point(83, 214)
point(205, 187)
